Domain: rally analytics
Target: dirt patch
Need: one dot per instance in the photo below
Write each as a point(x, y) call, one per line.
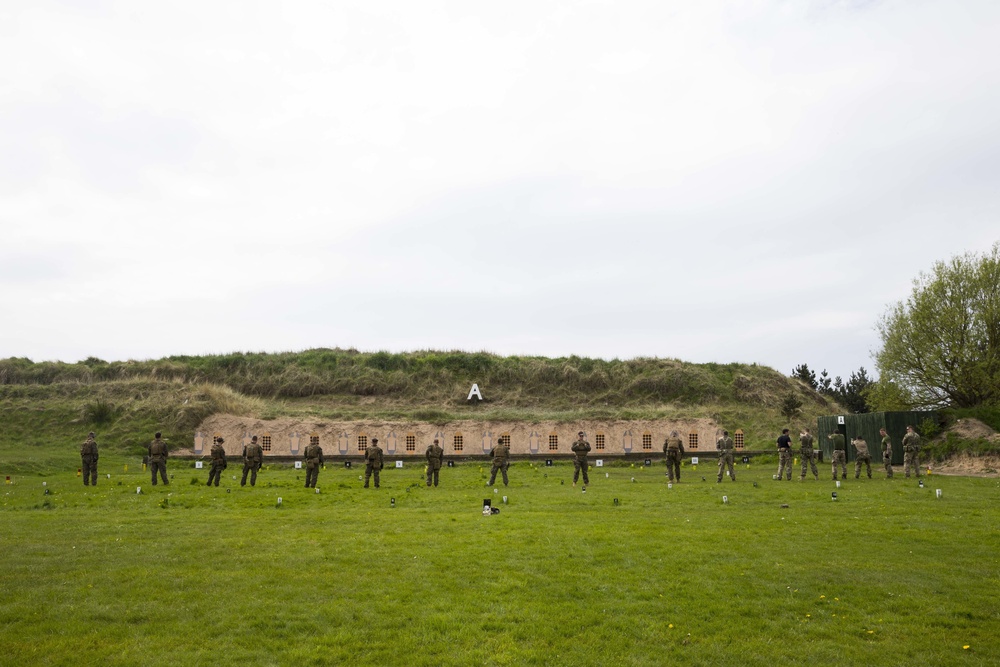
point(969, 466)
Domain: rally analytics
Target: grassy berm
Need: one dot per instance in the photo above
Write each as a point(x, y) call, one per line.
point(47, 408)
point(887, 574)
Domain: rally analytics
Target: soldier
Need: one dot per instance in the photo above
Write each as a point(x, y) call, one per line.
point(314, 459)
point(784, 454)
point(725, 447)
point(808, 454)
point(862, 456)
point(88, 453)
point(886, 453)
point(839, 453)
point(435, 456)
point(158, 458)
point(373, 461)
point(673, 450)
point(253, 457)
point(911, 452)
point(500, 454)
point(580, 450)
point(218, 462)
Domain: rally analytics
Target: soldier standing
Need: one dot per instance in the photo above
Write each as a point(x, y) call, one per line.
point(784, 454)
point(725, 447)
point(435, 457)
point(500, 454)
point(673, 450)
point(88, 454)
point(373, 461)
point(808, 454)
point(839, 453)
point(158, 458)
point(253, 457)
point(911, 452)
point(886, 453)
point(580, 450)
point(314, 459)
point(218, 462)
point(861, 451)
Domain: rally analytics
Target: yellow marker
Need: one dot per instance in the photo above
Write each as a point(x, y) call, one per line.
point(78, 471)
point(126, 467)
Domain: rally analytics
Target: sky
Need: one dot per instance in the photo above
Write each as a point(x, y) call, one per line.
point(709, 181)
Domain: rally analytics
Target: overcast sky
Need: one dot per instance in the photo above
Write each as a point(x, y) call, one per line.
point(711, 181)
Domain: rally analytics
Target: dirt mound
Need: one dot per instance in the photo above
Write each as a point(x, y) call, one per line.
point(972, 429)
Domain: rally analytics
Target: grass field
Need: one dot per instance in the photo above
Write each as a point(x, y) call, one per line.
point(188, 575)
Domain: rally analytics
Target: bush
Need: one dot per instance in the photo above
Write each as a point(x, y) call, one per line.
point(100, 411)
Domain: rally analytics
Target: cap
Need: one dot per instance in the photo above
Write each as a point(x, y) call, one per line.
point(253, 437)
point(220, 440)
point(580, 433)
point(91, 434)
point(374, 440)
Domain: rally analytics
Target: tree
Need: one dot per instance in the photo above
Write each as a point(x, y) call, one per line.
point(790, 406)
point(803, 373)
point(823, 385)
point(853, 394)
point(886, 396)
point(942, 345)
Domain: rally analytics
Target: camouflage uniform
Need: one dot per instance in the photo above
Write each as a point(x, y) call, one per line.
point(500, 453)
point(911, 452)
point(158, 459)
point(580, 449)
point(253, 457)
point(887, 455)
point(808, 455)
point(839, 454)
point(861, 447)
point(88, 454)
point(725, 447)
point(435, 457)
point(673, 450)
point(219, 462)
point(784, 456)
point(314, 459)
point(373, 462)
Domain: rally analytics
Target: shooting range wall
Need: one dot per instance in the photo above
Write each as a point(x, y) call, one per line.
point(867, 426)
point(286, 437)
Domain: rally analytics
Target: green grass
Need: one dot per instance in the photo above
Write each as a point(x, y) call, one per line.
point(189, 575)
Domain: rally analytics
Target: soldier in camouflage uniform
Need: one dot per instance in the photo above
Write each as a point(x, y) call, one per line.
point(725, 447)
point(218, 462)
point(314, 459)
point(862, 456)
point(88, 454)
point(373, 461)
point(253, 458)
point(807, 453)
point(435, 457)
point(911, 452)
point(673, 450)
point(784, 454)
point(157, 451)
point(580, 450)
point(500, 455)
point(839, 453)
point(886, 452)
